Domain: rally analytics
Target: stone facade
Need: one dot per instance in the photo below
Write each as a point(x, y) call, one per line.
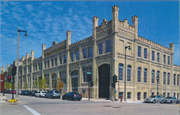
point(145, 60)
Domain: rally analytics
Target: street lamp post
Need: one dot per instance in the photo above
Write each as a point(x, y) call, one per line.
point(69, 79)
point(125, 73)
point(157, 84)
point(18, 59)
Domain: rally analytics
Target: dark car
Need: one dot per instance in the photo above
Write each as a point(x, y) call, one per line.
point(26, 92)
point(5, 90)
point(72, 96)
point(33, 93)
point(53, 94)
point(8, 91)
point(14, 92)
point(171, 100)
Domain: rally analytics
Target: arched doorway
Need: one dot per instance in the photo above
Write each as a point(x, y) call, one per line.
point(104, 80)
point(74, 76)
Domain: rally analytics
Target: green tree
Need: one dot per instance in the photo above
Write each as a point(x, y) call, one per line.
point(43, 83)
point(8, 85)
point(60, 84)
point(26, 86)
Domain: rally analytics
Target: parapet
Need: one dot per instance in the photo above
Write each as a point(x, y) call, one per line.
point(115, 8)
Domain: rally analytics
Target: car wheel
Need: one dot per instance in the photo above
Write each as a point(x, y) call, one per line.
point(162, 101)
point(171, 102)
point(63, 98)
point(79, 99)
point(177, 102)
point(154, 101)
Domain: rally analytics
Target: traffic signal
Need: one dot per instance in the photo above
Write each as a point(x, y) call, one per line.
point(113, 84)
point(9, 78)
point(91, 84)
point(115, 79)
point(14, 71)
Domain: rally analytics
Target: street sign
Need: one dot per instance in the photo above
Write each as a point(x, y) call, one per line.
point(88, 73)
point(115, 91)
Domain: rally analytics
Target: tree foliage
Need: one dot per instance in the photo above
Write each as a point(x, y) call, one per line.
point(43, 83)
point(60, 84)
point(8, 85)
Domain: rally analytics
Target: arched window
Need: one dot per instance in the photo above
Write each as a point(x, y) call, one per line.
point(164, 78)
point(145, 75)
point(158, 78)
point(168, 79)
point(120, 71)
point(139, 74)
point(174, 79)
point(129, 73)
point(152, 77)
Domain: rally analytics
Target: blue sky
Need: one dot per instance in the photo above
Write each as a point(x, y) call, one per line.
point(46, 22)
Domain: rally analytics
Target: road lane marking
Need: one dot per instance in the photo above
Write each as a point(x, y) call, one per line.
point(31, 110)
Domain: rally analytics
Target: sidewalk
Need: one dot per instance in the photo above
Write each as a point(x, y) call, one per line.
point(109, 101)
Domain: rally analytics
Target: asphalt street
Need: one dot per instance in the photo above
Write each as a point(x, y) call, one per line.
point(40, 106)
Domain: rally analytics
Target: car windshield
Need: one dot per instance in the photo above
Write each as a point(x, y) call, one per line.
point(152, 96)
point(168, 97)
point(43, 92)
point(56, 91)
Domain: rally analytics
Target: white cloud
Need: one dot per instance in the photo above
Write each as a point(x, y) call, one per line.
point(29, 7)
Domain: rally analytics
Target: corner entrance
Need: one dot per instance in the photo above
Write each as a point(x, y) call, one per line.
point(104, 80)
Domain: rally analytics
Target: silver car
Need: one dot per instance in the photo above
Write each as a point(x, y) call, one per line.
point(53, 94)
point(171, 100)
point(154, 99)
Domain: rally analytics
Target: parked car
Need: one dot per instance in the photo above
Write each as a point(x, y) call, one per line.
point(154, 99)
point(72, 96)
point(5, 90)
point(40, 94)
point(26, 92)
point(22, 92)
point(33, 93)
point(14, 92)
point(53, 94)
point(171, 100)
point(8, 91)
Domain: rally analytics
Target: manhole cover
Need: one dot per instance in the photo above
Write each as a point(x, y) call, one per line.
point(116, 107)
point(107, 106)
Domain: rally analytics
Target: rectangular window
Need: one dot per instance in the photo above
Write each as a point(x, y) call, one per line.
point(129, 73)
point(174, 79)
point(85, 76)
point(108, 46)
point(168, 79)
point(145, 75)
point(174, 94)
point(128, 95)
point(52, 62)
point(60, 60)
point(145, 53)
point(48, 63)
point(177, 95)
point(120, 71)
point(152, 93)
point(45, 64)
point(158, 56)
point(168, 60)
point(178, 80)
point(77, 55)
point(138, 95)
point(153, 55)
point(139, 51)
point(145, 95)
point(153, 72)
point(100, 48)
point(139, 75)
point(90, 52)
point(84, 53)
point(72, 56)
point(168, 94)
point(164, 78)
point(56, 61)
point(157, 77)
point(164, 58)
point(164, 94)
point(64, 59)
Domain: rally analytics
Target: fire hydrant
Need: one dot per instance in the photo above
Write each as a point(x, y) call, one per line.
point(121, 98)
